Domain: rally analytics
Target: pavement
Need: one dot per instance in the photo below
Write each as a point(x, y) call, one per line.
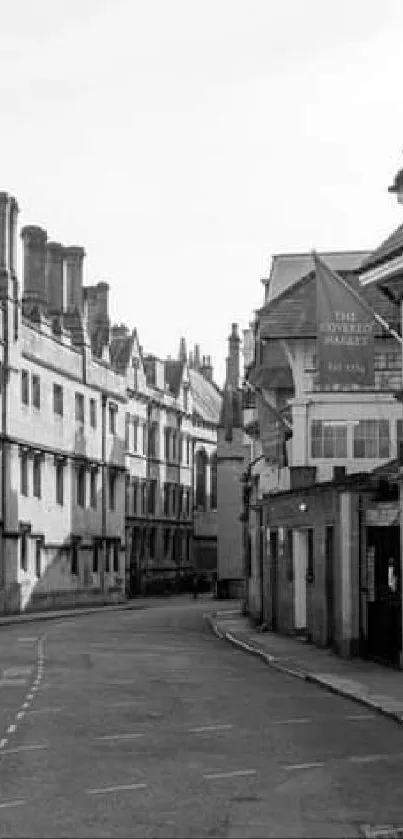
point(377, 687)
point(143, 723)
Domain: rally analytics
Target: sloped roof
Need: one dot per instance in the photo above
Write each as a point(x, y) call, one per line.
point(206, 397)
point(392, 246)
point(293, 313)
point(288, 268)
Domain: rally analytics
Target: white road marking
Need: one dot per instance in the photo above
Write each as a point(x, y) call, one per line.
point(30, 696)
point(18, 803)
point(120, 736)
point(25, 705)
point(202, 728)
point(304, 766)
point(10, 672)
point(291, 721)
point(20, 715)
point(11, 729)
point(7, 683)
point(121, 788)
point(128, 704)
point(3, 742)
point(28, 638)
point(44, 710)
point(374, 758)
point(25, 748)
point(360, 717)
point(235, 774)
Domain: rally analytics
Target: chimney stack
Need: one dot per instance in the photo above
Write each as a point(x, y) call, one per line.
point(233, 368)
point(196, 357)
point(207, 368)
point(183, 355)
point(55, 289)
point(8, 232)
point(34, 239)
point(73, 276)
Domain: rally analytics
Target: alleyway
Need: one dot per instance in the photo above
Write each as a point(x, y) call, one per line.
point(144, 724)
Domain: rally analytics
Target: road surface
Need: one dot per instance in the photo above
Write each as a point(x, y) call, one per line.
point(144, 724)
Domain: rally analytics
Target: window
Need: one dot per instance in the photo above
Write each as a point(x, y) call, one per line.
point(95, 558)
point(112, 419)
point(151, 543)
point(112, 490)
point(143, 498)
point(134, 498)
point(152, 440)
point(167, 433)
point(152, 497)
point(79, 407)
point(174, 446)
point(167, 540)
point(127, 433)
point(80, 477)
point(36, 391)
point(213, 482)
point(135, 426)
point(24, 550)
point(93, 489)
point(38, 557)
point(93, 413)
point(116, 557)
point(166, 499)
point(24, 474)
point(24, 387)
point(74, 559)
point(58, 400)
point(185, 399)
point(310, 571)
point(328, 439)
point(399, 436)
point(59, 482)
point(201, 476)
point(180, 448)
point(290, 555)
point(37, 475)
point(107, 557)
point(144, 438)
point(371, 439)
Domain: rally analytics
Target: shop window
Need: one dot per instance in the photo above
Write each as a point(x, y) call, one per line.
point(134, 498)
point(93, 489)
point(290, 555)
point(80, 488)
point(213, 481)
point(24, 551)
point(79, 407)
point(74, 560)
point(95, 558)
point(116, 557)
point(328, 440)
point(372, 439)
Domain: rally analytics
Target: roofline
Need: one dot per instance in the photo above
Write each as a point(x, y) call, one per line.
point(299, 254)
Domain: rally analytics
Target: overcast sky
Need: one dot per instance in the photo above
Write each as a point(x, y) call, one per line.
point(183, 142)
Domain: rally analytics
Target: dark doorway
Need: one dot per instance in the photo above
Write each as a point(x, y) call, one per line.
point(329, 548)
point(274, 577)
point(384, 594)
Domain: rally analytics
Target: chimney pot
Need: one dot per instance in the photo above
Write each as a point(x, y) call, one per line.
point(34, 239)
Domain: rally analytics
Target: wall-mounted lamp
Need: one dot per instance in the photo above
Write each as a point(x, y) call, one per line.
point(302, 506)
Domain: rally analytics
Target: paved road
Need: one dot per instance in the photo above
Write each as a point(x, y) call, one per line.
point(143, 724)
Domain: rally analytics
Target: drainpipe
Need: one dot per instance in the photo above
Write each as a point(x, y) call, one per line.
point(103, 490)
point(5, 448)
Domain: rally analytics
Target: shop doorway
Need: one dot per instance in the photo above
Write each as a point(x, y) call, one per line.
point(330, 604)
point(384, 593)
point(274, 577)
point(300, 550)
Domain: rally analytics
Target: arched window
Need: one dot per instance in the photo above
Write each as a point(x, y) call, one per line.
point(213, 481)
point(201, 476)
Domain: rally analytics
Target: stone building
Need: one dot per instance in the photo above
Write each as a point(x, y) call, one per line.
point(100, 441)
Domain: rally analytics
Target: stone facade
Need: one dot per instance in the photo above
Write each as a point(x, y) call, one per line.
point(99, 440)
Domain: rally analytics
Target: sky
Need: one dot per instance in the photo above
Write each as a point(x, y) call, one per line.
point(183, 142)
